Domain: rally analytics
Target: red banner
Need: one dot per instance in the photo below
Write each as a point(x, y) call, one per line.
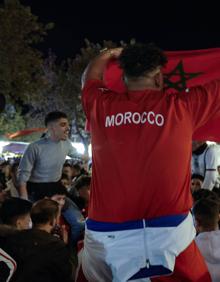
point(184, 69)
point(24, 132)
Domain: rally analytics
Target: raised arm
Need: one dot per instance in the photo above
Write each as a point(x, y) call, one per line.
point(96, 67)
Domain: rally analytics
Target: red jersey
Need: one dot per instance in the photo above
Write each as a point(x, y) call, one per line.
point(141, 149)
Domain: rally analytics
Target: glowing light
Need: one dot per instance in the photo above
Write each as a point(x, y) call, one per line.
point(2, 144)
point(79, 147)
point(90, 150)
point(210, 142)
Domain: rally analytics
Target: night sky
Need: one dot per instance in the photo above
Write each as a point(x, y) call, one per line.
point(173, 25)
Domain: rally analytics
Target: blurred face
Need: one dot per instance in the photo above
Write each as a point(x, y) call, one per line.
point(66, 183)
point(196, 184)
point(68, 171)
point(60, 199)
point(196, 145)
point(59, 130)
point(75, 172)
point(24, 222)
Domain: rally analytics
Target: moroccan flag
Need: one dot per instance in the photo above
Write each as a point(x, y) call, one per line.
point(184, 69)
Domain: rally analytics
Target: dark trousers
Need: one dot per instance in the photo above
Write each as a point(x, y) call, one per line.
point(38, 191)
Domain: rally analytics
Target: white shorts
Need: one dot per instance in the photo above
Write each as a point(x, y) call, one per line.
point(118, 255)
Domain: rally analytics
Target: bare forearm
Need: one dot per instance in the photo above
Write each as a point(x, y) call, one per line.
point(23, 191)
point(96, 67)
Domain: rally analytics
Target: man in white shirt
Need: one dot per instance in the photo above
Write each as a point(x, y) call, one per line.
point(205, 159)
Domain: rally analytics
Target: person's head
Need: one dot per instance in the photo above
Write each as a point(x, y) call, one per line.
point(66, 181)
point(16, 212)
point(141, 64)
point(57, 194)
point(76, 170)
point(204, 194)
point(44, 214)
point(82, 186)
point(67, 169)
point(196, 182)
point(197, 144)
point(58, 125)
point(206, 214)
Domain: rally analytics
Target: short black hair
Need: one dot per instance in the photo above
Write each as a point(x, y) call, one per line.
point(82, 181)
point(56, 189)
point(67, 165)
point(138, 59)
point(54, 116)
point(198, 176)
point(204, 194)
point(12, 208)
point(206, 211)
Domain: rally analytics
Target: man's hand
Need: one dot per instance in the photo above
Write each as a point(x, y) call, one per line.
point(112, 53)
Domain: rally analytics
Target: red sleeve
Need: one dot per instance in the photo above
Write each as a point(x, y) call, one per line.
point(204, 103)
point(90, 92)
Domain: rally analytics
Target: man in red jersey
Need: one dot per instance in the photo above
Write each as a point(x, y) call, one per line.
point(139, 224)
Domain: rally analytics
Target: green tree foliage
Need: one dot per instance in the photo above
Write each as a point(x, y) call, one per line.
point(20, 62)
point(44, 85)
point(63, 89)
point(10, 121)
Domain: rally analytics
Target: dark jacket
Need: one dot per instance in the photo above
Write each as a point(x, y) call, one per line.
point(39, 256)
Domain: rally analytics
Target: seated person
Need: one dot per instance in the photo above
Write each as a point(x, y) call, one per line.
point(82, 188)
point(39, 255)
point(206, 214)
point(71, 217)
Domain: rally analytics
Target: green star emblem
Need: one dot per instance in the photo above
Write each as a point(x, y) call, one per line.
point(177, 78)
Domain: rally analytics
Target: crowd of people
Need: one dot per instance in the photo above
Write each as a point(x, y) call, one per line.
point(44, 203)
point(56, 223)
point(42, 236)
point(143, 220)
